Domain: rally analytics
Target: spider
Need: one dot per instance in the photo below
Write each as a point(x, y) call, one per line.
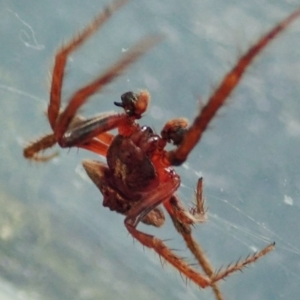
point(139, 175)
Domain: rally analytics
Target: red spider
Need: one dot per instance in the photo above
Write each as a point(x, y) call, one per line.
point(139, 176)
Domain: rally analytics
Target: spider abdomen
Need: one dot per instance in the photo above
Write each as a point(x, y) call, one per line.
point(130, 166)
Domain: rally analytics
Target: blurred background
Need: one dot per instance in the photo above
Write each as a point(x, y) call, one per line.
point(56, 239)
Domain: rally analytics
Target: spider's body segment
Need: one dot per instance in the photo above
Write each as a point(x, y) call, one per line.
point(130, 175)
point(139, 174)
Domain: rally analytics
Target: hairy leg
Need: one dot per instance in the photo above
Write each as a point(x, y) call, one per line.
point(63, 53)
point(221, 94)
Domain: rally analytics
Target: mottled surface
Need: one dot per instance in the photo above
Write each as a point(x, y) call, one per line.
point(56, 239)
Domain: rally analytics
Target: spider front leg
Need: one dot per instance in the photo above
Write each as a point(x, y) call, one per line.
point(48, 141)
point(64, 52)
point(67, 135)
point(216, 101)
point(61, 120)
point(82, 95)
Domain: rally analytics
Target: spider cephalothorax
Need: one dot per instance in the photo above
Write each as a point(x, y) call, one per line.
point(138, 175)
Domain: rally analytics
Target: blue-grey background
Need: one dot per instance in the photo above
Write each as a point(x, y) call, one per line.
point(56, 239)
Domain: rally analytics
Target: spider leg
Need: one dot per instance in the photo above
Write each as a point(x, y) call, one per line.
point(182, 221)
point(162, 250)
point(217, 99)
point(162, 193)
point(31, 151)
point(63, 53)
point(91, 128)
point(83, 133)
point(82, 95)
point(47, 141)
point(186, 232)
point(197, 214)
point(221, 274)
point(97, 143)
